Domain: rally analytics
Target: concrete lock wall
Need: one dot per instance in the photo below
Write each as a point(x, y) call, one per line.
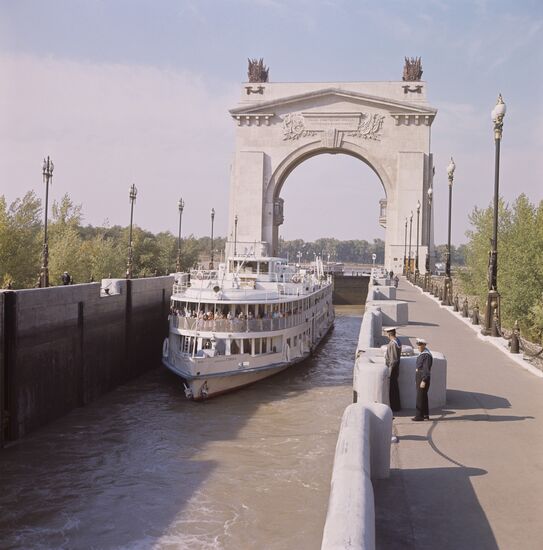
point(362, 454)
point(65, 346)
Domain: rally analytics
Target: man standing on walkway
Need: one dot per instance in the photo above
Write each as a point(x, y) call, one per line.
point(392, 361)
point(422, 379)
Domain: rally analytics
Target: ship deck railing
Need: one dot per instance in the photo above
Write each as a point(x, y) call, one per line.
point(236, 325)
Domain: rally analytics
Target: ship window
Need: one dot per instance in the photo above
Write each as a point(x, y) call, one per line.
point(264, 267)
point(295, 341)
point(234, 348)
point(257, 346)
point(264, 345)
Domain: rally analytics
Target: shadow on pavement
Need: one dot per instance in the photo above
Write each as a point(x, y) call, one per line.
point(458, 399)
point(421, 323)
point(431, 508)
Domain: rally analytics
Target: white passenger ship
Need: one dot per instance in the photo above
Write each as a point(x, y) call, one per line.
point(251, 318)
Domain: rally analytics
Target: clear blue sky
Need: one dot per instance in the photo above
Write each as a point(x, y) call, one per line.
point(122, 91)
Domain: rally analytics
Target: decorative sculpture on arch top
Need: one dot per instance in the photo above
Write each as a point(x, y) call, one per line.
point(412, 69)
point(257, 71)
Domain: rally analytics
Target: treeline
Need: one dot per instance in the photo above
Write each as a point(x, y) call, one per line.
point(88, 253)
point(353, 251)
point(520, 262)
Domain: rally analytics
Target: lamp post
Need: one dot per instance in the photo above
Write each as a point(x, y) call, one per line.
point(235, 234)
point(405, 249)
point(448, 291)
point(429, 229)
point(181, 205)
point(132, 197)
point(410, 233)
point(211, 264)
point(492, 313)
point(47, 172)
point(417, 248)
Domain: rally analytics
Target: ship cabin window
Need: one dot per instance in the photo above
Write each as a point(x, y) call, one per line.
point(264, 267)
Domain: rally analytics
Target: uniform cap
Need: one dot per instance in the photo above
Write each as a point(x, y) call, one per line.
point(390, 329)
point(421, 341)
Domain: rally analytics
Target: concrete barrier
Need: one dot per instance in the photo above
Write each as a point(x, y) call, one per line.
point(362, 453)
point(370, 380)
point(382, 293)
point(371, 328)
point(395, 312)
point(369, 383)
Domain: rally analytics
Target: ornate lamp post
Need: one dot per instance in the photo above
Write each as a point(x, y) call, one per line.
point(235, 234)
point(448, 291)
point(417, 248)
point(181, 205)
point(429, 230)
point(211, 264)
point(47, 172)
point(492, 313)
point(405, 249)
point(410, 233)
point(132, 197)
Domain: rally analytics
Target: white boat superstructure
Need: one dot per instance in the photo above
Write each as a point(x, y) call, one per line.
point(247, 320)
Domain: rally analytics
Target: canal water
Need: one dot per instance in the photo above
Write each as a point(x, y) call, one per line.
point(143, 468)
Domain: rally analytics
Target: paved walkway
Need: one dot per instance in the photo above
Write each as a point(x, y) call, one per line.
point(472, 478)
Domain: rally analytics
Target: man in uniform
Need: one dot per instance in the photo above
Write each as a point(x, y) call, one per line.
point(422, 380)
point(392, 361)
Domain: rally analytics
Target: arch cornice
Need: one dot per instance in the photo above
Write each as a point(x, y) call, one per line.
point(314, 148)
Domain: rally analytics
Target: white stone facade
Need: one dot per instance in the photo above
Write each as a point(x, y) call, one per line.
point(279, 125)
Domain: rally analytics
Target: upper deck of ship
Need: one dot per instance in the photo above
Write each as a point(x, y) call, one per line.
point(250, 279)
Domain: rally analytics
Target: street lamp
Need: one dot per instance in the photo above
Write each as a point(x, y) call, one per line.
point(235, 233)
point(47, 172)
point(448, 291)
point(299, 256)
point(410, 233)
point(417, 249)
point(211, 265)
point(492, 313)
point(132, 197)
point(429, 230)
point(405, 249)
point(181, 205)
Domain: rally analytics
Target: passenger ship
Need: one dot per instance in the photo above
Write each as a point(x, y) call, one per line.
point(251, 318)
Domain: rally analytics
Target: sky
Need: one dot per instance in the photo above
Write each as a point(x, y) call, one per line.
point(138, 91)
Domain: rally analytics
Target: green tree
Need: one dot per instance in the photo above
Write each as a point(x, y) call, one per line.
point(20, 240)
point(520, 260)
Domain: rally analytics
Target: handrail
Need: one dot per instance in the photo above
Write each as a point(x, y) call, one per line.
point(236, 325)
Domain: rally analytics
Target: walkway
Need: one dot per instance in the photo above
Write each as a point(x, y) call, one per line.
point(472, 478)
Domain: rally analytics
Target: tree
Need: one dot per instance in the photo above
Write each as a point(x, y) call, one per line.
point(520, 260)
point(20, 240)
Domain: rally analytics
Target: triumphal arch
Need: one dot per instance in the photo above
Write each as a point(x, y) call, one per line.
point(279, 125)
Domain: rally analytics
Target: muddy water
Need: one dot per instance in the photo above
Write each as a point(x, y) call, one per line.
point(144, 468)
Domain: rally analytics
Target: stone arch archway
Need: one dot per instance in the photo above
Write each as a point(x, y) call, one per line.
point(298, 156)
point(279, 125)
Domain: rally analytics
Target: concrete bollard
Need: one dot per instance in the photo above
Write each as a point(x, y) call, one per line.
point(380, 437)
point(371, 380)
point(362, 453)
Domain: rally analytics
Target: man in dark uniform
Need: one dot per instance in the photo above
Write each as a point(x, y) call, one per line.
point(422, 379)
point(392, 361)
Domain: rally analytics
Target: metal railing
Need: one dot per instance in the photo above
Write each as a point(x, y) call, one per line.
point(236, 325)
